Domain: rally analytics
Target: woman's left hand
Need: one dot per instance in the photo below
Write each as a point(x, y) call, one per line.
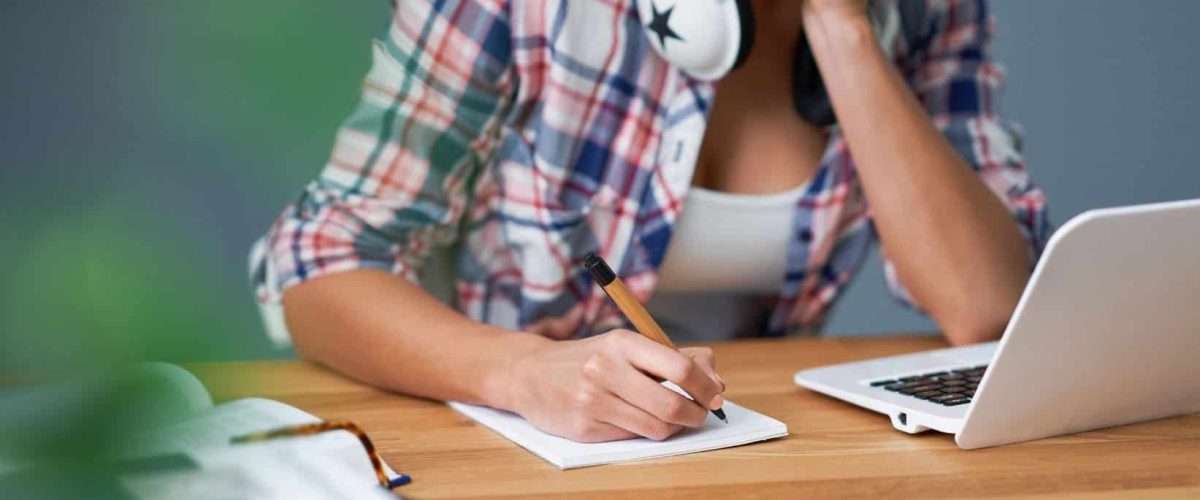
point(558, 328)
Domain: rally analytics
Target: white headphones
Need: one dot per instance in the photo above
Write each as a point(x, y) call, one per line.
point(705, 39)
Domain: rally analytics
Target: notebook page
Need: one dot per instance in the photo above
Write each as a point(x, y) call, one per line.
point(745, 426)
point(335, 456)
point(257, 472)
point(215, 426)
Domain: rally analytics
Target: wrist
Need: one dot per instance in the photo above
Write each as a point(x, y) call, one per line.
point(837, 27)
point(503, 376)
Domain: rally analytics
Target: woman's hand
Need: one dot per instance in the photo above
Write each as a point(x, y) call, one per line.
point(606, 388)
point(558, 327)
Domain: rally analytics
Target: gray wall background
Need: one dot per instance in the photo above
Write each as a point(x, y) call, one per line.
point(1106, 91)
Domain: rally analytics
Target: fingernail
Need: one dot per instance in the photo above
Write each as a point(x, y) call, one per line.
point(717, 402)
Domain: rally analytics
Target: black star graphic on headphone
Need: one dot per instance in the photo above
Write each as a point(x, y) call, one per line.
point(661, 25)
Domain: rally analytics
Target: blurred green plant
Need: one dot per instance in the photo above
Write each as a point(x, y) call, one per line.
point(233, 104)
point(150, 156)
point(110, 286)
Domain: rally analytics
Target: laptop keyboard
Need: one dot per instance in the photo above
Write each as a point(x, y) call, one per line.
point(947, 388)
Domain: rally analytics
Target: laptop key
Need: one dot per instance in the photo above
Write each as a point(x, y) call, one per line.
point(927, 394)
point(969, 393)
point(902, 386)
point(952, 376)
point(911, 378)
point(934, 374)
point(974, 379)
point(956, 402)
point(878, 383)
point(972, 386)
point(945, 397)
point(950, 383)
point(921, 388)
point(899, 386)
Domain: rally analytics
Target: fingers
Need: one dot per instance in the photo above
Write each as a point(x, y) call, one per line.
point(548, 328)
point(633, 387)
point(600, 432)
point(659, 360)
point(633, 419)
point(707, 361)
point(560, 328)
point(589, 430)
point(601, 415)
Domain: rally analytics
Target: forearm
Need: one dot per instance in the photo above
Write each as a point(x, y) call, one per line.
point(953, 242)
point(385, 331)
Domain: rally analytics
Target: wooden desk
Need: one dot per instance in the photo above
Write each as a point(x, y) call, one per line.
point(835, 449)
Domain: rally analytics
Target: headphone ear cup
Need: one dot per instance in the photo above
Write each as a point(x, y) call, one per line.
point(746, 42)
point(704, 39)
point(809, 95)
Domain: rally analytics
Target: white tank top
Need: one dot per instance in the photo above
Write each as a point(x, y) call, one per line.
point(727, 253)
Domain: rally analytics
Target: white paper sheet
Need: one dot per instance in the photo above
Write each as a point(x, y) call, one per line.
point(745, 426)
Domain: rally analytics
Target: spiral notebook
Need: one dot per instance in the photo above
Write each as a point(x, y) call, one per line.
point(745, 426)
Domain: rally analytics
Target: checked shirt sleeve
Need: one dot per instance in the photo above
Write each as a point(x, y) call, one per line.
point(951, 72)
point(404, 163)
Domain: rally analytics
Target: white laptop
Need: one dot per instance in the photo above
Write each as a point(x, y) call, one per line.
point(1107, 333)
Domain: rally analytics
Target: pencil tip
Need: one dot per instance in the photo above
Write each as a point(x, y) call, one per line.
point(720, 413)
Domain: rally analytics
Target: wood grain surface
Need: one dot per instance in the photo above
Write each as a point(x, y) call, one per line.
point(834, 450)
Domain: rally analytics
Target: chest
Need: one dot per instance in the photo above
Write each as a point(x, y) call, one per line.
point(755, 142)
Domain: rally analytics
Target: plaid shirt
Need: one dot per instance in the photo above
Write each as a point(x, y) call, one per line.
point(531, 133)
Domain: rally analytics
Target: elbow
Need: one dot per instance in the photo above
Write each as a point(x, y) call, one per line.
point(958, 337)
point(979, 318)
point(303, 342)
point(982, 313)
point(309, 315)
point(976, 325)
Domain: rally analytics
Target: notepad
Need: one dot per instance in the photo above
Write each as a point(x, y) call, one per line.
point(745, 426)
point(192, 457)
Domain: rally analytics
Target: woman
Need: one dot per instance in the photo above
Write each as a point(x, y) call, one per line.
point(528, 134)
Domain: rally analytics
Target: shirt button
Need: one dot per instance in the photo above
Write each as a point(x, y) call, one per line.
point(604, 198)
point(806, 235)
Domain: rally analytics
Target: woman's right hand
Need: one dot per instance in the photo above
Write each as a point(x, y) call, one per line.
point(606, 388)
